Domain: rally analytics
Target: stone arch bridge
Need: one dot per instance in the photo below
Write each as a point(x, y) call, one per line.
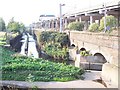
point(104, 44)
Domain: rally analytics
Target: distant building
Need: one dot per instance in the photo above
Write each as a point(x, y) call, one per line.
point(46, 17)
point(45, 20)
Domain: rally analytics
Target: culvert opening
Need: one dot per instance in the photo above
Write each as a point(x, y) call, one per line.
point(82, 49)
point(99, 58)
point(73, 45)
point(94, 62)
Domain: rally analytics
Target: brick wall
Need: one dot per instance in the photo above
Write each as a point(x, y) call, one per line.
point(102, 43)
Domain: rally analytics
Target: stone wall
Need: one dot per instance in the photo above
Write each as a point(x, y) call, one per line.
point(102, 43)
point(107, 45)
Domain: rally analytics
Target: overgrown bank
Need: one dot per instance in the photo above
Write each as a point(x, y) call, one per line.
point(22, 68)
point(54, 45)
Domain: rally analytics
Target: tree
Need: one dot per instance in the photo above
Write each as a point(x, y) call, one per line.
point(14, 26)
point(111, 21)
point(93, 27)
point(76, 26)
point(2, 25)
point(22, 27)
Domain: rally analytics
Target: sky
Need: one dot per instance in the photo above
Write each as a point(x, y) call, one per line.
point(28, 11)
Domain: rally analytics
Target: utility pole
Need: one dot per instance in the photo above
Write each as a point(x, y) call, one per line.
point(61, 16)
point(105, 14)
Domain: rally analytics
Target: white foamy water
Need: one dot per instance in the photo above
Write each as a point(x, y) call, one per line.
point(24, 41)
point(32, 50)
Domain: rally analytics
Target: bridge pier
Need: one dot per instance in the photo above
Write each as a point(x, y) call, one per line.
point(110, 73)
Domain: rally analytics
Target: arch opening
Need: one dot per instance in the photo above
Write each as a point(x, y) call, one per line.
point(82, 49)
point(79, 50)
point(99, 58)
point(73, 45)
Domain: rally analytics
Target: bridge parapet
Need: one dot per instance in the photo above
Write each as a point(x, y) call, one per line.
point(99, 39)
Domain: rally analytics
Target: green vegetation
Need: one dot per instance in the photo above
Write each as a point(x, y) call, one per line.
point(111, 24)
point(22, 68)
point(2, 25)
point(111, 21)
point(54, 37)
point(5, 37)
point(2, 38)
point(76, 26)
point(93, 27)
point(15, 27)
point(56, 52)
point(85, 53)
point(2, 41)
point(55, 45)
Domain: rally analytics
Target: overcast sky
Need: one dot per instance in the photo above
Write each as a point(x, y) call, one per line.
point(28, 11)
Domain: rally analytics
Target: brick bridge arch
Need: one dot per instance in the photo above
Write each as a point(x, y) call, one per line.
point(100, 44)
point(107, 45)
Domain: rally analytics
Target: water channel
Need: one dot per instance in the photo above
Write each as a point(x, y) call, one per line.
point(28, 47)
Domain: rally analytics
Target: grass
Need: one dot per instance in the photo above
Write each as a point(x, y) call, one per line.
point(23, 68)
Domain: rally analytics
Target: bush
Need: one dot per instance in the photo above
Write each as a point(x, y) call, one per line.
point(93, 27)
point(55, 45)
point(55, 51)
point(85, 53)
point(76, 26)
point(54, 37)
point(111, 21)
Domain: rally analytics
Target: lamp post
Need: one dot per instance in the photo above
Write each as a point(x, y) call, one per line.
point(104, 11)
point(104, 6)
point(61, 16)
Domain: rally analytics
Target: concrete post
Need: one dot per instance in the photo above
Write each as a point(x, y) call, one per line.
point(105, 14)
point(80, 20)
point(91, 20)
point(56, 24)
point(61, 16)
point(63, 24)
point(52, 24)
point(66, 23)
point(77, 20)
point(48, 24)
point(86, 25)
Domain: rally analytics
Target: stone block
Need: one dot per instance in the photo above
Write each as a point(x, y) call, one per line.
point(77, 63)
point(72, 54)
point(88, 63)
point(91, 66)
point(110, 73)
point(85, 65)
point(96, 66)
point(78, 57)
